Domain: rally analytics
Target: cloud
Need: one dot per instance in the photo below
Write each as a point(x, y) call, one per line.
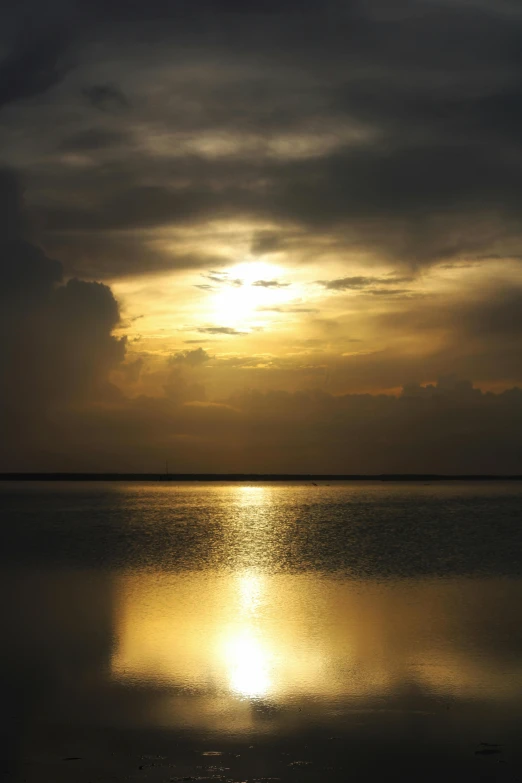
point(131, 371)
point(389, 138)
point(265, 242)
point(134, 206)
point(56, 342)
point(359, 282)
point(219, 330)
point(448, 428)
point(179, 388)
point(193, 358)
point(243, 361)
point(350, 283)
point(391, 292)
point(222, 278)
point(485, 316)
point(93, 139)
point(270, 284)
point(396, 143)
point(25, 268)
point(106, 97)
point(104, 255)
point(36, 63)
point(497, 314)
point(59, 410)
point(286, 309)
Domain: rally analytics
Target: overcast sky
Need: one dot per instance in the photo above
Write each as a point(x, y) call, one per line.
point(261, 236)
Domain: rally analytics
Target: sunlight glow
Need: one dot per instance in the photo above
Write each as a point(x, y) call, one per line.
point(248, 664)
point(247, 287)
point(250, 592)
point(251, 495)
point(247, 658)
point(246, 636)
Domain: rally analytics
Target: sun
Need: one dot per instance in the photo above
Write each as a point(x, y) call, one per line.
point(247, 291)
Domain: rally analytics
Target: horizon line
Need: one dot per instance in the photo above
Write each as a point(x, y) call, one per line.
point(138, 476)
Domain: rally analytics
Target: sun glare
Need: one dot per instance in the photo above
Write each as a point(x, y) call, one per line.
point(245, 290)
point(247, 657)
point(248, 663)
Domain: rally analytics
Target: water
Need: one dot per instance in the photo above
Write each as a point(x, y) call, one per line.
point(233, 632)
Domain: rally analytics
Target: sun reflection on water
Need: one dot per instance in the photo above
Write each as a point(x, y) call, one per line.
point(248, 662)
point(246, 651)
point(247, 633)
point(250, 591)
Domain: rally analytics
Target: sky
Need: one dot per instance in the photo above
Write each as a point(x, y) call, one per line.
point(261, 237)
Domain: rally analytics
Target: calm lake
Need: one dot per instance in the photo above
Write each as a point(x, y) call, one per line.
point(234, 632)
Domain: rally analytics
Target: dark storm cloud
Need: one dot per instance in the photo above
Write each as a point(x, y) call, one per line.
point(257, 7)
point(490, 316)
point(106, 97)
point(417, 205)
point(137, 206)
point(111, 255)
point(441, 429)
point(389, 129)
point(37, 61)
point(499, 315)
point(57, 352)
point(475, 333)
point(56, 343)
point(449, 427)
point(413, 205)
point(25, 269)
point(432, 90)
point(93, 139)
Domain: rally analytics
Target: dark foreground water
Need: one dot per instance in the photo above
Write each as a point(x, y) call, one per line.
point(228, 632)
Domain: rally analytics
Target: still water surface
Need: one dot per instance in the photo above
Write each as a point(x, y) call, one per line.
point(246, 632)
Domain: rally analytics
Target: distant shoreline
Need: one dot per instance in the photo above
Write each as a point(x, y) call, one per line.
point(252, 477)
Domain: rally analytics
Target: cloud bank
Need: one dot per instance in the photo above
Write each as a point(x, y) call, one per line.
point(368, 153)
